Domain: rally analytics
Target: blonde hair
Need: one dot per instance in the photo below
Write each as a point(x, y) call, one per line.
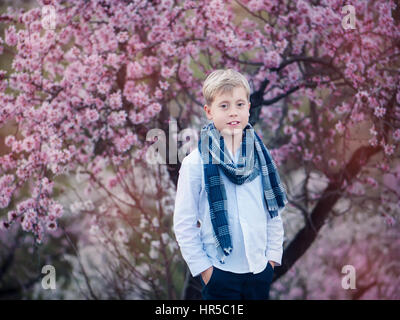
point(223, 81)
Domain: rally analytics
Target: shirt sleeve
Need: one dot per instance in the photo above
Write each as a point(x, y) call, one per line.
point(185, 218)
point(275, 234)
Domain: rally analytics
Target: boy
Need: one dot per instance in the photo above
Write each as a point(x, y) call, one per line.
point(229, 198)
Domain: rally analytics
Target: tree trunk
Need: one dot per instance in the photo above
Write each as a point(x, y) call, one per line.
point(306, 236)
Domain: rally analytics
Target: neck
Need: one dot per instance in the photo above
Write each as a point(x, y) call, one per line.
point(233, 143)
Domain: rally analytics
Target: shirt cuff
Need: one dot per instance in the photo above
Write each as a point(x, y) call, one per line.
point(196, 268)
point(275, 256)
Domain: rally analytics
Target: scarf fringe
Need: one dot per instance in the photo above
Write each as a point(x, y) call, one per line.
point(228, 250)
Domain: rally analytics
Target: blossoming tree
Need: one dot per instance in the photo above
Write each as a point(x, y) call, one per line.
point(89, 79)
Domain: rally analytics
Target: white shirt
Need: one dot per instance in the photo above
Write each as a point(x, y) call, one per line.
point(256, 238)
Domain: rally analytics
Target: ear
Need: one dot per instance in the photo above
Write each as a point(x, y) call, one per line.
point(207, 109)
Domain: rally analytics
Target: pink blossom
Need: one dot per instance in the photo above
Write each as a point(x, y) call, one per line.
point(113, 182)
point(389, 220)
point(362, 97)
point(167, 72)
point(117, 118)
point(56, 209)
point(294, 139)
point(339, 127)
point(164, 85)
point(5, 197)
point(156, 107)
point(123, 36)
point(46, 186)
point(379, 112)
point(29, 144)
point(26, 225)
point(12, 215)
point(396, 135)
point(312, 136)
point(116, 100)
point(158, 94)
point(289, 130)
point(11, 36)
point(168, 48)
point(303, 8)
point(343, 108)
point(136, 117)
point(383, 166)
point(372, 182)
point(134, 70)
point(373, 131)
point(138, 98)
point(92, 115)
point(51, 217)
point(255, 5)
point(317, 158)
point(103, 87)
point(389, 149)
point(129, 88)
point(373, 142)
point(124, 143)
point(272, 59)
point(332, 162)
point(24, 205)
point(30, 214)
point(113, 60)
point(357, 116)
point(356, 188)
point(51, 225)
point(317, 17)
point(105, 39)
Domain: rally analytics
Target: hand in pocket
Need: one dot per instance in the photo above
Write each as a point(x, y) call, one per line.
point(206, 275)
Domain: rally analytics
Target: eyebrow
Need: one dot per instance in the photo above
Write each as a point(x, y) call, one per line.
point(228, 101)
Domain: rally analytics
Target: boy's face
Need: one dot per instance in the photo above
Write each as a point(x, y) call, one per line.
point(229, 107)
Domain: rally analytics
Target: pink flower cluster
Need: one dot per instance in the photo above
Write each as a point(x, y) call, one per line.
point(116, 119)
point(123, 144)
point(36, 216)
point(6, 190)
point(272, 59)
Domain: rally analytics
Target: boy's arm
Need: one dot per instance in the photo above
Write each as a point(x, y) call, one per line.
point(186, 215)
point(275, 235)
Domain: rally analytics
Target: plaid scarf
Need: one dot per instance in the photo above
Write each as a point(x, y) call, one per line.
point(212, 150)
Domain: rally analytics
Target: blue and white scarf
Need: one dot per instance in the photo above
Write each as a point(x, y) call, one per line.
point(212, 150)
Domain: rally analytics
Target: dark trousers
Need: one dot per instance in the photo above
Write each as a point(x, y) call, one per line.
point(225, 285)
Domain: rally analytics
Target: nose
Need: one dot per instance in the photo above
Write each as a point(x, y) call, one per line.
point(233, 112)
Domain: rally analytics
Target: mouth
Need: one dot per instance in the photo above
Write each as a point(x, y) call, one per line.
point(234, 123)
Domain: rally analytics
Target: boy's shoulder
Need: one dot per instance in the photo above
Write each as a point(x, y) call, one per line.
point(193, 158)
point(192, 164)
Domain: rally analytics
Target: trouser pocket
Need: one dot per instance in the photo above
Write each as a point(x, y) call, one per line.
point(211, 280)
point(269, 271)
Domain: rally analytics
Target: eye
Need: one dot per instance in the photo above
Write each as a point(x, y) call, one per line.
point(241, 104)
point(223, 106)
